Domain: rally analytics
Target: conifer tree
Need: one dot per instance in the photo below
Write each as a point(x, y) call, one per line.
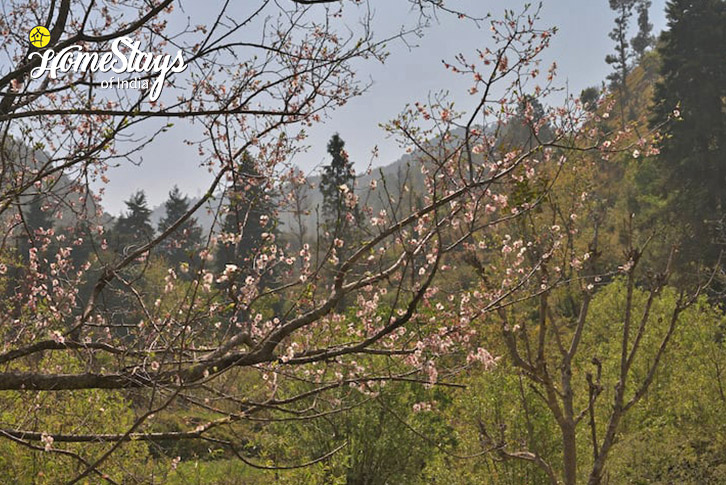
point(644, 37)
point(134, 227)
point(34, 219)
point(620, 59)
point(692, 95)
point(337, 186)
point(250, 215)
point(589, 97)
point(180, 245)
point(519, 130)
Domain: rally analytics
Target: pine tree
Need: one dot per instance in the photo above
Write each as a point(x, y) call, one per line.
point(620, 60)
point(34, 218)
point(181, 244)
point(251, 214)
point(518, 132)
point(134, 227)
point(337, 185)
point(693, 88)
point(644, 38)
point(589, 97)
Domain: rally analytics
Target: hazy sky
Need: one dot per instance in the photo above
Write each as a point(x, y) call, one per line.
point(579, 48)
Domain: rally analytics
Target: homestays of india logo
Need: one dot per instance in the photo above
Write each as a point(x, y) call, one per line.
point(124, 57)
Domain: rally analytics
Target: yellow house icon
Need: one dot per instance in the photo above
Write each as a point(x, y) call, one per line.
point(39, 36)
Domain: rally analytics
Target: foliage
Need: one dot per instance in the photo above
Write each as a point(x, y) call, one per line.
point(134, 227)
point(185, 240)
point(337, 184)
point(689, 100)
point(251, 218)
point(644, 39)
point(682, 442)
point(620, 60)
point(58, 413)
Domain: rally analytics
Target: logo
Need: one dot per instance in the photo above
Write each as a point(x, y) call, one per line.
point(125, 57)
point(39, 36)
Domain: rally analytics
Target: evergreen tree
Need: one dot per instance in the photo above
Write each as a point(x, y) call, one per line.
point(34, 219)
point(518, 132)
point(250, 214)
point(693, 88)
point(626, 50)
point(337, 184)
point(644, 38)
point(134, 227)
point(181, 244)
point(589, 97)
point(620, 59)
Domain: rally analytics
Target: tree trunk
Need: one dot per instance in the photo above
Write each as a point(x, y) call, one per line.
point(569, 453)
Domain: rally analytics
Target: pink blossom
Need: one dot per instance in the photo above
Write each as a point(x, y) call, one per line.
point(47, 441)
point(57, 337)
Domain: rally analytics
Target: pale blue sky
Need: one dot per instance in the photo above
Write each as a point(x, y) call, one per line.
point(579, 49)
